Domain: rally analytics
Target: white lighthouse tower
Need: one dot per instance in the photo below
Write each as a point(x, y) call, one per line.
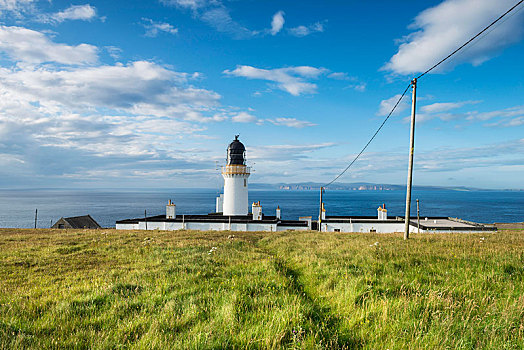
point(235, 175)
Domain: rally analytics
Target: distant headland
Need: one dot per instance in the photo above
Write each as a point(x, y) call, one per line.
point(363, 186)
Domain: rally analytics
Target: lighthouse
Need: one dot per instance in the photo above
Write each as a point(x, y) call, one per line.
point(235, 175)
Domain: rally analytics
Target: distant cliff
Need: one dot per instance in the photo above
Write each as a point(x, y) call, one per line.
point(358, 186)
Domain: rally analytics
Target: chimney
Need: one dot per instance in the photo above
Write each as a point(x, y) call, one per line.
point(382, 212)
point(220, 204)
point(170, 210)
point(256, 209)
point(278, 212)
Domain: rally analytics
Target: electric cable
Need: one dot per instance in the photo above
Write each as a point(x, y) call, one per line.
point(420, 76)
point(372, 137)
point(470, 40)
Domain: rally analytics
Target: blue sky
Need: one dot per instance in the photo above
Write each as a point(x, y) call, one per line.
point(149, 93)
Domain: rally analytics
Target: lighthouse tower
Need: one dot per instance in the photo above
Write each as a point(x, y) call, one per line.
point(235, 175)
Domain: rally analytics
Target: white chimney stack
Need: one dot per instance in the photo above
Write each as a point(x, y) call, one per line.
point(278, 212)
point(382, 212)
point(256, 208)
point(220, 203)
point(170, 210)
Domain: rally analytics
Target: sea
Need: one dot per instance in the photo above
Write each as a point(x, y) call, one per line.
point(18, 207)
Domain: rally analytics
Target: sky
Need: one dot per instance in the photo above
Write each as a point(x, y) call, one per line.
point(127, 94)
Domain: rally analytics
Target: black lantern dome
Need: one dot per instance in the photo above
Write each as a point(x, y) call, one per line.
point(236, 153)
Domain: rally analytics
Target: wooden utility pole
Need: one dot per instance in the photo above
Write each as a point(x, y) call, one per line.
point(36, 216)
point(411, 152)
point(418, 218)
point(320, 210)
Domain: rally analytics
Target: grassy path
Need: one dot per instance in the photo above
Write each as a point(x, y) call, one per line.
point(207, 290)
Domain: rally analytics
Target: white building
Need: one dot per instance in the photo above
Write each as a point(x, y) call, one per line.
point(232, 212)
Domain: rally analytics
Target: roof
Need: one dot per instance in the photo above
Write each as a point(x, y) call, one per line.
point(217, 217)
point(435, 223)
point(235, 152)
point(85, 221)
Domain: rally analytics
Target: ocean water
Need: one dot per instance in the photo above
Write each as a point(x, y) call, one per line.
point(17, 207)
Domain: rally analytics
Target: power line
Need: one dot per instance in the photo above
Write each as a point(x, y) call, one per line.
point(470, 40)
point(418, 77)
point(372, 137)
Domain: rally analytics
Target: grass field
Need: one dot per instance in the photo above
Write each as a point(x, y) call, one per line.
point(205, 290)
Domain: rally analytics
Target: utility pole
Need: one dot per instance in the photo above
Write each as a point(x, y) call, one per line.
point(418, 219)
point(320, 210)
point(411, 152)
point(36, 216)
point(145, 217)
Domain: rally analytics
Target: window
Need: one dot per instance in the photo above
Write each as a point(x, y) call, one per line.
point(372, 230)
point(61, 226)
point(337, 230)
point(245, 182)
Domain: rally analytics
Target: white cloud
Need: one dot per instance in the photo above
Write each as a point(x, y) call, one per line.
point(244, 117)
point(29, 46)
point(154, 28)
point(302, 30)
point(74, 12)
point(114, 52)
point(284, 153)
point(441, 29)
point(190, 4)
point(387, 105)
point(508, 117)
point(220, 19)
point(277, 22)
point(339, 76)
point(360, 87)
point(443, 106)
point(291, 122)
point(16, 7)
point(138, 87)
point(290, 79)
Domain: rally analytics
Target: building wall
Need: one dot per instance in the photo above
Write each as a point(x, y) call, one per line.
point(61, 222)
point(208, 226)
point(235, 194)
point(378, 227)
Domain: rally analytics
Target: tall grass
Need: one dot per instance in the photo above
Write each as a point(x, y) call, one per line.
point(156, 289)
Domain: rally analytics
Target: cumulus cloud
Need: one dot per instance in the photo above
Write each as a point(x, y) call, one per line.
point(74, 12)
point(29, 46)
point(290, 79)
point(154, 28)
point(439, 30)
point(302, 30)
point(136, 87)
point(277, 23)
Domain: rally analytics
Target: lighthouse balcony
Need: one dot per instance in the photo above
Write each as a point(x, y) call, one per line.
point(235, 169)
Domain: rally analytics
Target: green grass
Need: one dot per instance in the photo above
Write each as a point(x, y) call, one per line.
point(112, 289)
